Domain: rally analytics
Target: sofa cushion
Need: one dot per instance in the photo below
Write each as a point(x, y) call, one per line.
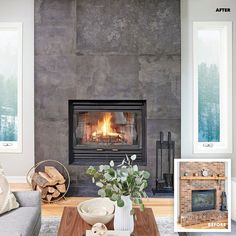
point(7, 199)
point(21, 221)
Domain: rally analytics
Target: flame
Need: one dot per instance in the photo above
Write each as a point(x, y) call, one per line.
point(104, 127)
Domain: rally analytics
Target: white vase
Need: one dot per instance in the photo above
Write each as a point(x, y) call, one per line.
point(123, 220)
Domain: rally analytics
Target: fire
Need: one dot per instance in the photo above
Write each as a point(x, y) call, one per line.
point(104, 127)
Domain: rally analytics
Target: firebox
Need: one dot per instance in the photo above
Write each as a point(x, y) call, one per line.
point(203, 199)
point(101, 130)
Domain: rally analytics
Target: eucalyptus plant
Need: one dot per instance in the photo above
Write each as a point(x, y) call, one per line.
point(123, 180)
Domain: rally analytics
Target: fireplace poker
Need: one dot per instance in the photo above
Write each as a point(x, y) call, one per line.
point(169, 150)
point(168, 176)
point(161, 147)
point(164, 174)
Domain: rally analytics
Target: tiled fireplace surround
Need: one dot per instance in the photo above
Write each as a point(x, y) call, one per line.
point(112, 50)
point(187, 217)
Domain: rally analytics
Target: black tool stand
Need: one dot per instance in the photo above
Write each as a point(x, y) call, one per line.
point(164, 165)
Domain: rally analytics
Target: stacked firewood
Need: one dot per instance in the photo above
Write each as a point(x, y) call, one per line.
point(50, 183)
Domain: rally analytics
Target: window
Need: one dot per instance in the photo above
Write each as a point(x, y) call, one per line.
point(212, 72)
point(10, 87)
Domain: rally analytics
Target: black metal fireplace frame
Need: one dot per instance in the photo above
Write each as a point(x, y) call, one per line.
point(90, 156)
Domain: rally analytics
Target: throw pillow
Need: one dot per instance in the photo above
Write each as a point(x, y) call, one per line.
point(7, 199)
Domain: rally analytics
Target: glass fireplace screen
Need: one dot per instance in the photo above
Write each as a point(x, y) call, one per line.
point(100, 130)
point(203, 200)
point(108, 128)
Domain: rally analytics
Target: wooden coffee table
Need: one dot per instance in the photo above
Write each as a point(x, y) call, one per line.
point(73, 225)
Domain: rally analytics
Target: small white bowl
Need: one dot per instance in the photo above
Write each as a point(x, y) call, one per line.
point(97, 210)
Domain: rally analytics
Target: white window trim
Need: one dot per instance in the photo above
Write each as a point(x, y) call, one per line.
point(225, 145)
point(15, 146)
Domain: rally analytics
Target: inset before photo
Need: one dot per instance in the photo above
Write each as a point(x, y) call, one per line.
point(202, 195)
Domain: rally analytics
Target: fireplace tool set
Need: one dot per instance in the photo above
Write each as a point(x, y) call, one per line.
point(165, 154)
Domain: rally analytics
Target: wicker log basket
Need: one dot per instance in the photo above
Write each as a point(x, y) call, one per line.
point(51, 178)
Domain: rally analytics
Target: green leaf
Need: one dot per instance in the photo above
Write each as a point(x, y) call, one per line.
point(123, 179)
point(132, 211)
point(116, 189)
point(142, 207)
point(108, 192)
point(124, 172)
point(114, 197)
point(112, 163)
point(106, 167)
point(107, 176)
point(112, 172)
point(96, 175)
point(133, 157)
point(145, 195)
point(91, 170)
point(142, 187)
point(138, 201)
point(120, 202)
point(99, 184)
point(135, 168)
point(119, 185)
point(137, 194)
point(138, 181)
point(101, 192)
point(101, 168)
point(108, 186)
point(146, 175)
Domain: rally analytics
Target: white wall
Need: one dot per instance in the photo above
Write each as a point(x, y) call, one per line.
point(233, 197)
point(201, 10)
point(22, 11)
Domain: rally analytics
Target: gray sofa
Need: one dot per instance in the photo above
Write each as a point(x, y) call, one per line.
point(25, 220)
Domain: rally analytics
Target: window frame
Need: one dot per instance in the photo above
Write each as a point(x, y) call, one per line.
point(16, 146)
point(225, 71)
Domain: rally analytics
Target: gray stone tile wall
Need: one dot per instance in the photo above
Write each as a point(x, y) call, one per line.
point(106, 49)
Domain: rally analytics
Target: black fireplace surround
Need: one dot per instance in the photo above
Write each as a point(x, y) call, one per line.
point(203, 200)
point(103, 130)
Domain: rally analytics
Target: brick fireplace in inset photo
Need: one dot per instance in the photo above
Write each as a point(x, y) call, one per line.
point(202, 195)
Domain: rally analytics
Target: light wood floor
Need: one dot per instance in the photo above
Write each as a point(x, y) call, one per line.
point(160, 206)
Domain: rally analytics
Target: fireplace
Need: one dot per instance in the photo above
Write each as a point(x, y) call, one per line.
point(102, 130)
point(203, 200)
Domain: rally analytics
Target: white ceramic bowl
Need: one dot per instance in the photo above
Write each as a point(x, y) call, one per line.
point(97, 210)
